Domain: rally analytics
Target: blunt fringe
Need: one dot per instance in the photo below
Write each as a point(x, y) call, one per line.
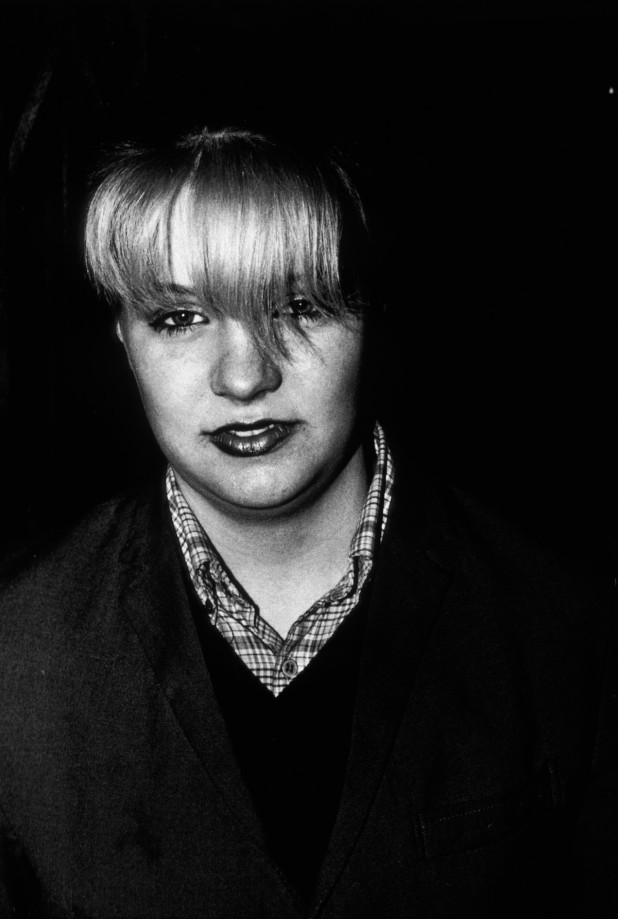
point(264, 222)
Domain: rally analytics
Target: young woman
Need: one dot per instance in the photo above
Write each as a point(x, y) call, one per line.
point(247, 337)
point(295, 678)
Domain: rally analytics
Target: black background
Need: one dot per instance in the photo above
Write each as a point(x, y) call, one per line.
point(487, 139)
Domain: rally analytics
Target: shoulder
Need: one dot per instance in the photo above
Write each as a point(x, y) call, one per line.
point(65, 633)
point(62, 571)
point(533, 556)
point(539, 545)
point(53, 556)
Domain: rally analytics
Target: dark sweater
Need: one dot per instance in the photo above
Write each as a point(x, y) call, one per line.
point(292, 749)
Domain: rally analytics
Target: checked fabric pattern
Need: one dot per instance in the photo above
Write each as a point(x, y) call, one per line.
point(273, 659)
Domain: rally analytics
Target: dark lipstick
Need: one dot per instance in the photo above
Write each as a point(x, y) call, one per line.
point(253, 438)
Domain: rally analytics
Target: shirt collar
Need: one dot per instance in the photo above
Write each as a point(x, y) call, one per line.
point(373, 516)
point(199, 551)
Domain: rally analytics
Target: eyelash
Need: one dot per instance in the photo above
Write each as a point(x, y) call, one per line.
point(312, 314)
point(159, 323)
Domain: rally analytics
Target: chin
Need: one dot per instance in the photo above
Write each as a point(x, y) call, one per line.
point(264, 505)
point(265, 501)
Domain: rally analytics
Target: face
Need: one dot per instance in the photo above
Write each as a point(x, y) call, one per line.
point(246, 433)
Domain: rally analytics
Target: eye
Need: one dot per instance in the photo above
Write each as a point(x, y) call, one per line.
point(298, 308)
point(178, 321)
point(182, 319)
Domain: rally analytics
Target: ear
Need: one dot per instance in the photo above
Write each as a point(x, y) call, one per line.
point(118, 330)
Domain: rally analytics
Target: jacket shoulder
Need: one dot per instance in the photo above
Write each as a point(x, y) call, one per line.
point(535, 555)
point(62, 571)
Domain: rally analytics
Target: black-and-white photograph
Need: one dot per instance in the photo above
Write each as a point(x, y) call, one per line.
point(308, 543)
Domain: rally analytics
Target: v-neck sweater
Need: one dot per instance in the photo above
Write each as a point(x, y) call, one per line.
point(292, 749)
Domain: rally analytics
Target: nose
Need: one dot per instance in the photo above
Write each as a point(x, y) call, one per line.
point(241, 371)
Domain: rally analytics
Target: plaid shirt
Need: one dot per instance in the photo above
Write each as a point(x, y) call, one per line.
point(273, 659)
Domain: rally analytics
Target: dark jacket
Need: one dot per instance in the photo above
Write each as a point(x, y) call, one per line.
point(479, 780)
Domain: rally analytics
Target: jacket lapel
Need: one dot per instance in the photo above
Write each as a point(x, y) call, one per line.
point(411, 580)
point(154, 597)
point(413, 573)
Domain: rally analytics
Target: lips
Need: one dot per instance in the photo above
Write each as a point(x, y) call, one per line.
point(252, 439)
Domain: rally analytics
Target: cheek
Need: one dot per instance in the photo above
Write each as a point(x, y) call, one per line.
point(337, 386)
point(345, 370)
point(165, 385)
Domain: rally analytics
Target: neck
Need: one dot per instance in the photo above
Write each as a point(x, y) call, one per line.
point(329, 518)
point(286, 563)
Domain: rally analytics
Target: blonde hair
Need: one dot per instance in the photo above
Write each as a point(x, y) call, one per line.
point(267, 221)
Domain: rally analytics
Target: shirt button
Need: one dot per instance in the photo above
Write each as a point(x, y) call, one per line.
point(289, 667)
